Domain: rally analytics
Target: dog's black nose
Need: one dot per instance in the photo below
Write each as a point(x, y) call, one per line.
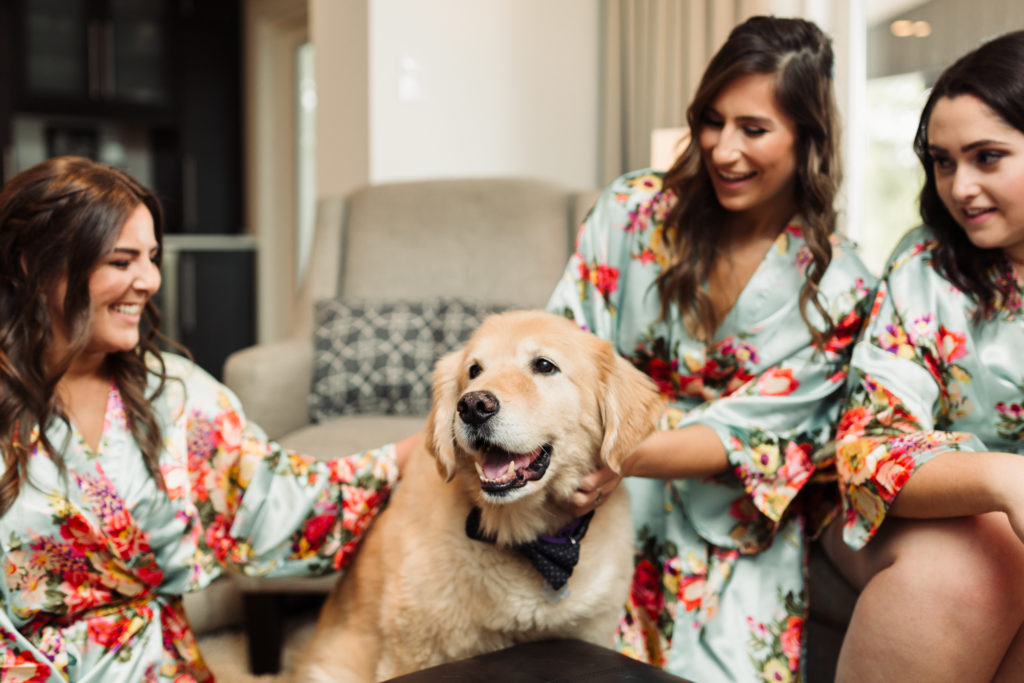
point(476, 407)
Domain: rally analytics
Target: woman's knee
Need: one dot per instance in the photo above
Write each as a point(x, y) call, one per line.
point(970, 562)
point(978, 557)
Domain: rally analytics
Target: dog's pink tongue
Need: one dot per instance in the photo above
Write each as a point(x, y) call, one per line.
point(496, 462)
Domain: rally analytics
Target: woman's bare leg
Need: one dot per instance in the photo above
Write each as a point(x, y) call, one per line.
point(941, 600)
point(1012, 667)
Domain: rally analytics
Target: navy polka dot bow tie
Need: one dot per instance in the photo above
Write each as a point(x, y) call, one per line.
point(553, 556)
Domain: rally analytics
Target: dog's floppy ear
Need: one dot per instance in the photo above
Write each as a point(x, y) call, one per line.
point(630, 408)
point(440, 437)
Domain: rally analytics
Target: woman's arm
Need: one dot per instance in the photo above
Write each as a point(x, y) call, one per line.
point(898, 449)
point(258, 507)
point(962, 484)
point(692, 451)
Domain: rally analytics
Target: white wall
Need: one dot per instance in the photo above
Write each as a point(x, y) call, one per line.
point(483, 87)
point(339, 32)
point(273, 29)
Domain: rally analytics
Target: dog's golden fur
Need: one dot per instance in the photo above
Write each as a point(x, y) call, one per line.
point(420, 592)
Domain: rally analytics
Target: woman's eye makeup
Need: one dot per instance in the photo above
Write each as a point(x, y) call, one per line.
point(990, 156)
point(715, 121)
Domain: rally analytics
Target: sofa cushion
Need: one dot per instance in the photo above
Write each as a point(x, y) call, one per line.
point(487, 239)
point(378, 356)
point(340, 436)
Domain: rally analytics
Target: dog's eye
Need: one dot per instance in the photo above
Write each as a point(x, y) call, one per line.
point(543, 366)
point(475, 370)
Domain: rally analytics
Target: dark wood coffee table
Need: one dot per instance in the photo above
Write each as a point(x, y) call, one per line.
point(547, 661)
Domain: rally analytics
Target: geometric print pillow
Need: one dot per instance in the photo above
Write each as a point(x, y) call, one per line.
point(378, 356)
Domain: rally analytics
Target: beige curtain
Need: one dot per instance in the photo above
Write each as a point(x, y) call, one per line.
point(654, 52)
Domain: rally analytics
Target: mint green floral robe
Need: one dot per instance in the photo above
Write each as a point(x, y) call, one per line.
point(94, 566)
point(719, 587)
point(926, 379)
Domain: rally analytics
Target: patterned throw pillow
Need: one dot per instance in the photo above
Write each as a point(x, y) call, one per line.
point(378, 356)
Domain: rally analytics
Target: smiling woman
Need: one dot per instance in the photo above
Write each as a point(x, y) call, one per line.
point(928, 448)
point(747, 145)
point(130, 476)
point(119, 288)
point(724, 281)
point(979, 173)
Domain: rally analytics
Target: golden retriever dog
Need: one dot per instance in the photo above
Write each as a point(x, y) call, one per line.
point(530, 405)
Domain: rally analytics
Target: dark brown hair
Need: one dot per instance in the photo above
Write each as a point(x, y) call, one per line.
point(992, 73)
point(57, 220)
point(799, 55)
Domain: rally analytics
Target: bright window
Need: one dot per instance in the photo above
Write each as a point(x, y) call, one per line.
point(305, 162)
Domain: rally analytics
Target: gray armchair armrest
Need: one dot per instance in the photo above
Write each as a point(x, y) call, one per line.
point(273, 383)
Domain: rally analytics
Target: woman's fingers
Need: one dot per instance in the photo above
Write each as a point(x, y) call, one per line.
point(594, 489)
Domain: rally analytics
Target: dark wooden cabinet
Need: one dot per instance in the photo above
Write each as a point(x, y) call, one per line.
point(208, 59)
point(153, 87)
point(52, 41)
point(207, 299)
point(97, 56)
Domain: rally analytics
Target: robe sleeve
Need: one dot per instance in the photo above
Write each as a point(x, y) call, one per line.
point(262, 509)
point(776, 426)
point(904, 386)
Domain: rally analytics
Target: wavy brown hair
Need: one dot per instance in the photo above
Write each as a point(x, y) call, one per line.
point(57, 220)
point(992, 73)
point(799, 55)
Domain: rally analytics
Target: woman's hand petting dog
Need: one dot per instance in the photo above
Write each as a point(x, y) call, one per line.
point(594, 489)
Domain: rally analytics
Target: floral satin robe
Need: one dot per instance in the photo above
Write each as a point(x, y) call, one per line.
point(719, 586)
point(926, 379)
point(94, 565)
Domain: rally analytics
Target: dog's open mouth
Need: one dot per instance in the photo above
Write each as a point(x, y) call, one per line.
point(503, 471)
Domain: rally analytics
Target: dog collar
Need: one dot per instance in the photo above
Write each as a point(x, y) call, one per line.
point(554, 556)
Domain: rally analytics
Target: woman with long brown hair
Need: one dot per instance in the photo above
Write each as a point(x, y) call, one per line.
point(130, 476)
point(930, 443)
point(725, 281)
